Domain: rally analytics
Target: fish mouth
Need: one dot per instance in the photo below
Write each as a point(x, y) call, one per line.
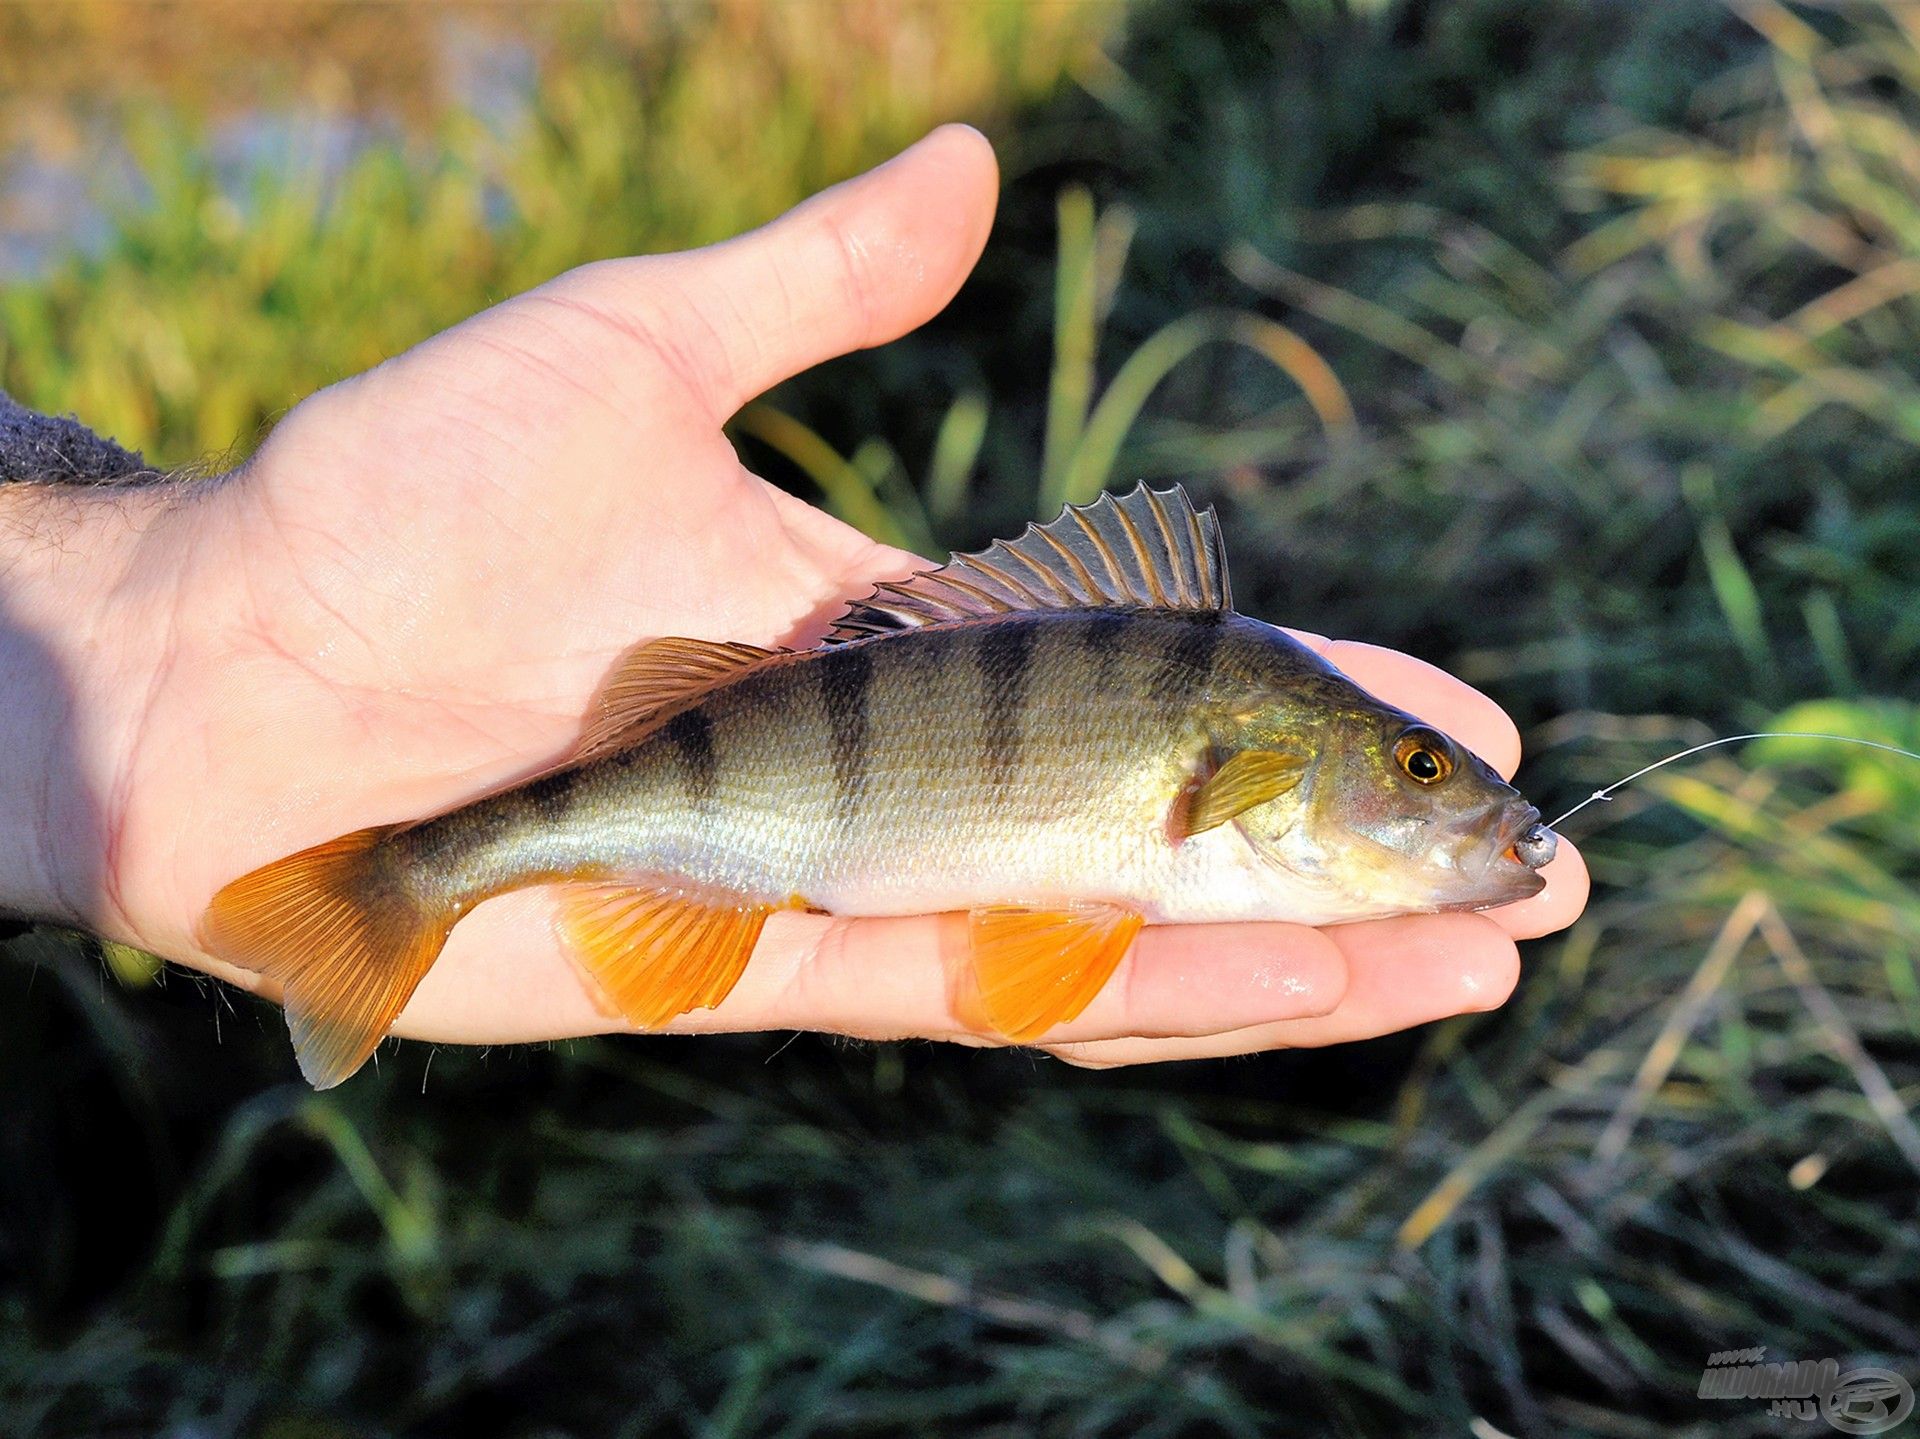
point(1528, 841)
point(1519, 847)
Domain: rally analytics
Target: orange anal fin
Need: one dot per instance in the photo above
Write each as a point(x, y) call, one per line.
point(656, 952)
point(344, 938)
point(1036, 968)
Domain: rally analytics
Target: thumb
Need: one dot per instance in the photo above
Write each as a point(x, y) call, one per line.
point(855, 266)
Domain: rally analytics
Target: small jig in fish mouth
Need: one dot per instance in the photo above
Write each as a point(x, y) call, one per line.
point(1536, 845)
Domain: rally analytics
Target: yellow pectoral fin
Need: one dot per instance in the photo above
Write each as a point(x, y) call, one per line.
point(1251, 777)
point(657, 952)
point(1036, 968)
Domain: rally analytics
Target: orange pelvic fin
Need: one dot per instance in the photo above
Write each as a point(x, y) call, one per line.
point(654, 680)
point(343, 937)
point(1040, 967)
point(657, 952)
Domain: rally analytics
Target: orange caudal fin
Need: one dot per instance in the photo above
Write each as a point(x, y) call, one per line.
point(343, 937)
point(1037, 967)
point(657, 952)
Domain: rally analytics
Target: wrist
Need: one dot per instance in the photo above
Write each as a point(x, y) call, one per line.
point(69, 631)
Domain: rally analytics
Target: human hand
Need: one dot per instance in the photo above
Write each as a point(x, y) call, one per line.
point(407, 598)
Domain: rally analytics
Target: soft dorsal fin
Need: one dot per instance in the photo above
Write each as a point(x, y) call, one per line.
point(1151, 549)
point(653, 679)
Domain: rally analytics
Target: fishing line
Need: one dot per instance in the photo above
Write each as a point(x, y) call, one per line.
point(1607, 792)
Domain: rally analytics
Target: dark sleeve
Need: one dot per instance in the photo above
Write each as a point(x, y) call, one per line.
point(40, 448)
point(36, 448)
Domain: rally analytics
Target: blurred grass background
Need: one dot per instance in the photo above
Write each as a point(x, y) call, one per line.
point(1571, 345)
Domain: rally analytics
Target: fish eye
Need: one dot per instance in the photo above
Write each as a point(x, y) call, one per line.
point(1424, 756)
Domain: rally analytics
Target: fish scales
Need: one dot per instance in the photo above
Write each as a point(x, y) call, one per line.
point(1030, 751)
point(1067, 735)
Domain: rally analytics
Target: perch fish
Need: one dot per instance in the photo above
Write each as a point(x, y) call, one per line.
point(1067, 736)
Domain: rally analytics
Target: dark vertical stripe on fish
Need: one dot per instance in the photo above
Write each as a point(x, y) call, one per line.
point(453, 839)
point(1003, 651)
point(1101, 637)
point(1187, 664)
point(845, 678)
point(691, 734)
point(547, 799)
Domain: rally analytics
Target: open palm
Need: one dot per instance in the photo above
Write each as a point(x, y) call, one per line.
point(409, 596)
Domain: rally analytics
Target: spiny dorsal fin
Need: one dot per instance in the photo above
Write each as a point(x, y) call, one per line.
point(1150, 549)
point(654, 678)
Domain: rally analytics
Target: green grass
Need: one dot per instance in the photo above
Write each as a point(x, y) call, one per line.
point(220, 299)
point(1576, 355)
